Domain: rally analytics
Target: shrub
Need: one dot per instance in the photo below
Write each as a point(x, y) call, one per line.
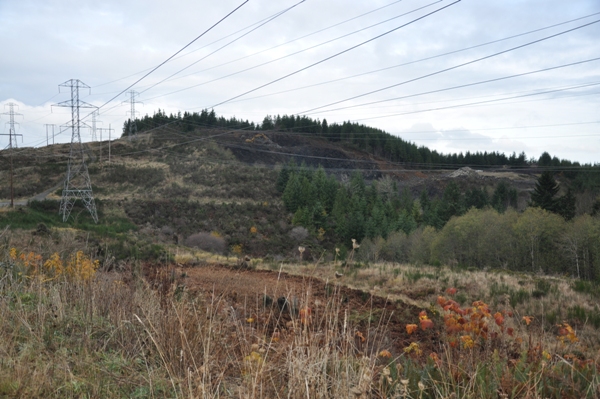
point(206, 242)
point(396, 247)
point(298, 233)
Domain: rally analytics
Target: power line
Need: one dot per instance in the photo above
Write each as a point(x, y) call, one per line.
point(200, 48)
point(171, 57)
point(412, 104)
point(479, 102)
point(299, 51)
point(225, 45)
point(463, 85)
point(412, 165)
point(451, 68)
point(282, 57)
point(356, 133)
point(310, 34)
point(337, 54)
point(303, 127)
point(414, 61)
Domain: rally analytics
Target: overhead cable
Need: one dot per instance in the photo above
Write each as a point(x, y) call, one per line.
point(451, 68)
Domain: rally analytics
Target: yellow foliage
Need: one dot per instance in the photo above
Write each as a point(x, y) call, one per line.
point(413, 347)
point(253, 230)
point(566, 332)
point(321, 234)
point(184, 259)
point(253, 357)
point(467, 341)
point(80, 267)
point(54, 265)
point(31, 262)
point(236, 249)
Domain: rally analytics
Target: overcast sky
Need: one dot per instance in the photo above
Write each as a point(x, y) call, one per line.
point(404, 82)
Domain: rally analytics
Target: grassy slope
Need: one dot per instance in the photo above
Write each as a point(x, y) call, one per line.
point(118, 337)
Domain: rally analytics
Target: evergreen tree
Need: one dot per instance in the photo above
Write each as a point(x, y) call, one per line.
point(545, 190)
point(405, 200)
point(327, 197)
point(357, 184)
point(477, 198)
point(596, 208)
point(431, 217)
point(307, 195)
point(424, 200)
point(503, 197)
point(452, 202)
point(544, 194)
point(284, 175)
point(267, 123)
point(292, 194)
point(341, 207)
point(303, 217)
point(405, 222)
point(545, 159)
point(566, 205)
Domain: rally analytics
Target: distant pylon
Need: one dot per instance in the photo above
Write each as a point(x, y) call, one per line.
point(77, 182)
point(132, 133)
point(94, 121)
point(11, 133)
point(47, 139)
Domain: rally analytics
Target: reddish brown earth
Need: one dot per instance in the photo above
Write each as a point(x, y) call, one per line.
point(255, 293)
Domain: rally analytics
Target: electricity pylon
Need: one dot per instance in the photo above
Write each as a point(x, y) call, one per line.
point(47, 140)
point(11, 133)
point(94, 121)
point(132, 134)
point(77, 183)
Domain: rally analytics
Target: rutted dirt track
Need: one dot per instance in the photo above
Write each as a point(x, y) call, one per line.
point(256, 293)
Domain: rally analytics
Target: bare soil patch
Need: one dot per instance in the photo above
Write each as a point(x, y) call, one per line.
point(273, 301)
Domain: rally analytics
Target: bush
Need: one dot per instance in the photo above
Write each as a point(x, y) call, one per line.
point(206, 242)
point(396, 248)
point(298, 233)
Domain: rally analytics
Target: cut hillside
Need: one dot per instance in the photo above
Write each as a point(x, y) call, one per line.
point(171, 183)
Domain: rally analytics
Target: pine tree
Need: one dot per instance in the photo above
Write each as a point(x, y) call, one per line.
point(545, 190)
point(566, 205)
point(284, 175)
point(477, 198)
point(544, 194)
point(452, 203)
point(424, 201)
point(503, 197)
point(292, 194)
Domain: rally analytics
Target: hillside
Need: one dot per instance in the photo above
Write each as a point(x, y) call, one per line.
point(178, 179)
point(454, 285)
point(221, 180)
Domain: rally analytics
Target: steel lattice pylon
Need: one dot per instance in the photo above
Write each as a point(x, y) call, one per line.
point(132, 133)
point(77, 183)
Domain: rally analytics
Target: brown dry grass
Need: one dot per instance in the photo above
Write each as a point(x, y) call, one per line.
point(421, 285)
point(121, 335)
